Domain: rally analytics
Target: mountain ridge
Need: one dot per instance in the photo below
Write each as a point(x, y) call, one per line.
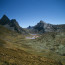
point(39, 28)
point(43, 27)
point(11, 24)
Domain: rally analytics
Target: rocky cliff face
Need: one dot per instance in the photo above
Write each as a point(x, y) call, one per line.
point(11, 24)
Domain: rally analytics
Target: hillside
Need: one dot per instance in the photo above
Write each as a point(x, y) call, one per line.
point(15, 50)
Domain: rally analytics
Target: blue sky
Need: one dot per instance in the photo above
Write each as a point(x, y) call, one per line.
point(30, 12)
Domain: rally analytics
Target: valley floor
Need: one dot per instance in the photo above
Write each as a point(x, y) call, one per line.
point(32, 36)
point(15, 49)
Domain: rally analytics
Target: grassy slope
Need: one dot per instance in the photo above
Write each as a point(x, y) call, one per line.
point(54, 45)
point(18, 57)
point(16, 50)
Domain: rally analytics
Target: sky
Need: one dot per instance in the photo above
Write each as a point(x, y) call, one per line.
point(30, 12)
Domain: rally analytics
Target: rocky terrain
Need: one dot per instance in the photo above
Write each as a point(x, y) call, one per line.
point(16, 50)
point(44, 45)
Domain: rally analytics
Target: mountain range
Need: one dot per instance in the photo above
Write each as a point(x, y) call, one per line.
point(40, 27)
point(43, 27)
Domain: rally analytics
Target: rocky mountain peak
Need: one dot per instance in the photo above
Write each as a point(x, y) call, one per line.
point(4, 20)
point(4, 16)
point(11, 24)
point(43, 27)
point(42, 22)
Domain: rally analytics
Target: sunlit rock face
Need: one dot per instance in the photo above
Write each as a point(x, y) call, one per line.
point(43, 27)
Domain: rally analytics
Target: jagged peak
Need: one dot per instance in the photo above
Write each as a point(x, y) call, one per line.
point(4, 20)
point(41, 21)
point(5, 17)
point(13, 20)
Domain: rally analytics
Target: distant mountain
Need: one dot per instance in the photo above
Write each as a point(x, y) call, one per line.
point(11, 24)
point(43, 27)
point(30, 27)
